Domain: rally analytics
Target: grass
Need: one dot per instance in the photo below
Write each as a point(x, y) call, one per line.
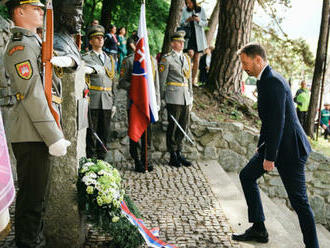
point(321, 145)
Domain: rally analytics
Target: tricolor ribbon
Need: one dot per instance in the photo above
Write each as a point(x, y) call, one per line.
point(150, 236)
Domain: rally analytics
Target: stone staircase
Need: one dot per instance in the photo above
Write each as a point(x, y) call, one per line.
point(282, 223)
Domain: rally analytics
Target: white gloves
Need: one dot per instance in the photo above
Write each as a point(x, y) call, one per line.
point(88, 70)
point(190, 107)
point(113, 111)
point(59, 147)
point(63, 61)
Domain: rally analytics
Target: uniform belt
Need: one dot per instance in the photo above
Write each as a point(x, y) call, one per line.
point(57, 99)
point(178, 84)
point(99, 88)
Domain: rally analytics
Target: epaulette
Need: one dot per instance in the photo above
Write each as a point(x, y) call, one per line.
point(18, 36)
point(167, 54)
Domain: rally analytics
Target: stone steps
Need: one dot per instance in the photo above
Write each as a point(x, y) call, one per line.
point(282, 224)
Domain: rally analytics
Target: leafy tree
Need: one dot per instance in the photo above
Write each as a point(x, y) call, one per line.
point(126, 13)
point(319, 64)
point(3, 11)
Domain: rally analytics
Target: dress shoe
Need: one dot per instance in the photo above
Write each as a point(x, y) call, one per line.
point(182, 159)
point(139, 166)
point(174, 160)
point(252, 234)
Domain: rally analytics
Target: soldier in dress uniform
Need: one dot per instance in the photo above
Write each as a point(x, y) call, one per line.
point(175, 82)
point(34, 130)
point(101, 85)
point(125, 83)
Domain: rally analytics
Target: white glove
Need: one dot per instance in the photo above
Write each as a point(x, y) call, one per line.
point(190, 107)
point(63, 61)
point(113, 111)
point(158, 108)
point(59, 147)
point(88, 70)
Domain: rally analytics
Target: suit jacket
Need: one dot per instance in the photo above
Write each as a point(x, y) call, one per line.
point(102, 78)
point(126, 76)
point(282, 138)
point(172, 71)
point(30, 118)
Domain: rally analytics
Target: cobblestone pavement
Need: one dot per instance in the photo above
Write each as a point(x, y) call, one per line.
point(178, 200)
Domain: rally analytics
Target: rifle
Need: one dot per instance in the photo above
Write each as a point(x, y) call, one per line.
point(47, 54)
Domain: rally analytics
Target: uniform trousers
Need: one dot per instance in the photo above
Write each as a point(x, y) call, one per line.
point(174, 135)
point(100, 123)
point(33, 172)
point(293, 177)
point(302, 116)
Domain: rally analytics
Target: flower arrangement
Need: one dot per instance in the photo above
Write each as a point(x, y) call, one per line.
point(100, 192)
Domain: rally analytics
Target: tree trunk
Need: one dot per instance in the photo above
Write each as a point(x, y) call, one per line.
point(234, 28)
point(213, 22)
point(319, 62)
point(172, 22)
point(106, 14)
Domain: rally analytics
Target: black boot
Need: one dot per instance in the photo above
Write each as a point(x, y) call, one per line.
point(174, 160)
point(182, 159)
point(139, 167)
point(252, 234)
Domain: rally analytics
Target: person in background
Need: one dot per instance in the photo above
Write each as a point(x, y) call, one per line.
point(122, 49)
point(100, 84)
point(111, 42)
point(176, 87)
point(302, 99)
point(282, 143)
point(325, 119)
point(204, 65)
point(131, 42)
point(195, 17)
point(34, 132)
point(85, 41)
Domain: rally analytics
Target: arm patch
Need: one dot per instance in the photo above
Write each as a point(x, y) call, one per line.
point(24, 70)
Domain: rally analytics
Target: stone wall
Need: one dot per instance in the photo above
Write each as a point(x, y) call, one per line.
point(232, 144)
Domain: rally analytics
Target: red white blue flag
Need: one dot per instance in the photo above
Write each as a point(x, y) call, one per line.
point(150, 236)
point(144, 109)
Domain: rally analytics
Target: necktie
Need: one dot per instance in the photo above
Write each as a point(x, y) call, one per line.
point(101, 58)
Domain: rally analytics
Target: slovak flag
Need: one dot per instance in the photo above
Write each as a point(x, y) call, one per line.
point(144, 109)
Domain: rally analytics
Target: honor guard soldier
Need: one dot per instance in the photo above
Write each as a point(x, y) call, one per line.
point(125, 83)
point(34, 131)
point(100, 84)
point(175, 82)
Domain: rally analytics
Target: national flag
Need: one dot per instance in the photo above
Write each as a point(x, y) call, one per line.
point(143, 109)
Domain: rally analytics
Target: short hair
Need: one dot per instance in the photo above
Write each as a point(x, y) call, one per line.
point(252, 50)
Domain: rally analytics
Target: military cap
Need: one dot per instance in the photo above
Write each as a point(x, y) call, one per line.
point(95, 30)
point(178, 36)
point(14, 3)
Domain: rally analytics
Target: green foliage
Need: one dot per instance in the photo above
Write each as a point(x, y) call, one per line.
point(4, 12)
point(126, 14)
point(292, 58)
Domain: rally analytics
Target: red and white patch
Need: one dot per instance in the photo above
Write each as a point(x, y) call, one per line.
point(24, 70)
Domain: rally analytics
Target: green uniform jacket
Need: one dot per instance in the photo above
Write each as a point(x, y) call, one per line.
point(126, 75)
point(175, 79)
point(325, 117)
point(101, 82)
point(30, 119)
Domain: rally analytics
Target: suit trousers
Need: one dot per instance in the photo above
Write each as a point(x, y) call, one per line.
point(293, 178)
point(133, 146)
point(33, 180)
point(100, 123)
point(174, 135)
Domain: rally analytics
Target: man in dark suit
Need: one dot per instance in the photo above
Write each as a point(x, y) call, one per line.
point(282, 143)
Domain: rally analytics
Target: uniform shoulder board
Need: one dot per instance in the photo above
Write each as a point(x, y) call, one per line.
point(18, 36)
point(167, 54)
